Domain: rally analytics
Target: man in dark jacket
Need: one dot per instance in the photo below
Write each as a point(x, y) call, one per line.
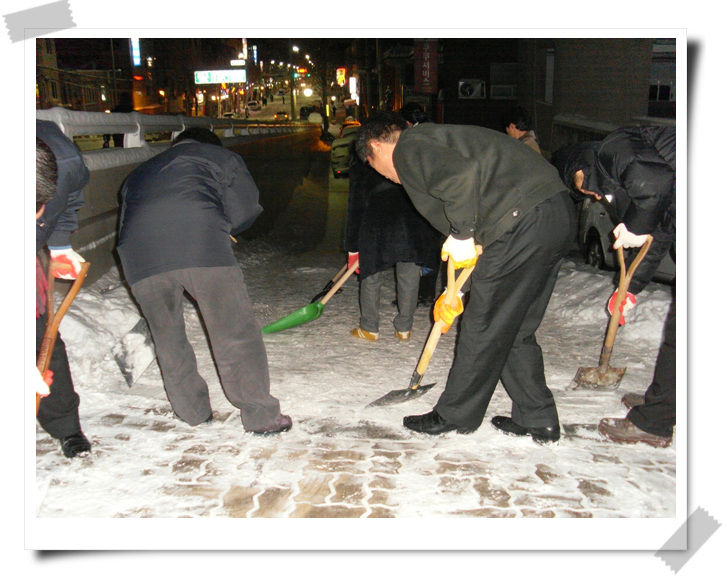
point(481, 187)
point(634, 168)
point(178, 212)
point(60, 171)
point(383, 230)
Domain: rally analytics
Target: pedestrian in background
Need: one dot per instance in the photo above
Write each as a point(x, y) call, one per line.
point(481, 188)
point(383, 230)
point(178, 212)
point(61, 176)
point(414, 114)
point(634, 170)
point(519, 125)
point(125, 105)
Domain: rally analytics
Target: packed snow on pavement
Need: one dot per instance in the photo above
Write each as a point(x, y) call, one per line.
point(325, 378)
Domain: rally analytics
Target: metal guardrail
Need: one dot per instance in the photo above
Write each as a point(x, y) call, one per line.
point(136, 126)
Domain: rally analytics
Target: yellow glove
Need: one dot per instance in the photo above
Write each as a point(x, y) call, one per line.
point(446, 312)
point(462, 252)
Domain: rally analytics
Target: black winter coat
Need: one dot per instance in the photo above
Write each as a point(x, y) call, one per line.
point(180, 207)
point(383, 226)
point(60, 217)
point(634, 168)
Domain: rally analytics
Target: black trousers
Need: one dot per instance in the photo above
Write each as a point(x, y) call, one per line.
point(511, 287)
point(658, 413)
point(58, 412)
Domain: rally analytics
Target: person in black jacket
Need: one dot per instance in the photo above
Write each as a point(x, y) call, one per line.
point(383, 230)
point(480, 187)
point(61, 175)
point(178, 212)
point(634, 168)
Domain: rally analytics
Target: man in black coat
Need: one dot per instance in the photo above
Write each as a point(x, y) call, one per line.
point(61, 172)
point(178, 212)
point(383, 230)
point(634, 168)
point(482, 188)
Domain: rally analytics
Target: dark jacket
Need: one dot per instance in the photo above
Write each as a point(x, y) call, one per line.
point(383, 226)
point(60, 217)
point(468, 180)
point(634, 168)
point(180, 208)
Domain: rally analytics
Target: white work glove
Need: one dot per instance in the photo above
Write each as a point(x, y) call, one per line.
point(69, 260)
point(462, 252)
point(40, 384)
point(626, 239)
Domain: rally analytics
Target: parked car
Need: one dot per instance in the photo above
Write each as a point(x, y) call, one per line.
point(254, 105)
point(281, 116)
point(341, 152)
point(596, 220)
point(231, 115)
point(306, 110)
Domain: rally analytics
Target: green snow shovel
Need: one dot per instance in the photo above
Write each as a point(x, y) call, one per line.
point(416, 389)
point(605, 377)
point(310, 312)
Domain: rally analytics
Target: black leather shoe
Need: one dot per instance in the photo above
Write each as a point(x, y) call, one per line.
point(542, 435)
point(431, 423)
point(75, 445)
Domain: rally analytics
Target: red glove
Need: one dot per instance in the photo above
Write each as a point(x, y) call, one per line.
point(447, 313)
point(352, 259)
point(628, 303)
point(69, 262)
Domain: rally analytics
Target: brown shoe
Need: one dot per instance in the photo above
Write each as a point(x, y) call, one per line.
point(403, 335)
point(624, 431)
point(358, 332)
point(631, 400)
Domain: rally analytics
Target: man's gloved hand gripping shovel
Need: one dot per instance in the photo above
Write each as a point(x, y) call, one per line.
point(604, 376)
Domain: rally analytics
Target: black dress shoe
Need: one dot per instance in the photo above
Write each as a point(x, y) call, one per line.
point(431, 423)
point(542, 435)
point(74, 445)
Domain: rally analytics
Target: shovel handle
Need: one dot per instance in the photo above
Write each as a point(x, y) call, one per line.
point(329, 284)
point(453, 287)
point(341, 281)
point(54, 321)
point(623, 287)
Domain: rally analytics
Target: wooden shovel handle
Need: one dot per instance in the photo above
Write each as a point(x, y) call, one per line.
point(54, 320)
point(453, 288)
point(341, 281)
point(623, 287)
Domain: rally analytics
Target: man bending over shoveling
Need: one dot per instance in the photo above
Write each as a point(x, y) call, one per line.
point(481, 187)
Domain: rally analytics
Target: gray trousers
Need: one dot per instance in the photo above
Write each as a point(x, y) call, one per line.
point(407, 293)
point(235, 337)
point(511, 287)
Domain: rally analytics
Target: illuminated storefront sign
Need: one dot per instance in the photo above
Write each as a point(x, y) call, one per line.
point(216, 77)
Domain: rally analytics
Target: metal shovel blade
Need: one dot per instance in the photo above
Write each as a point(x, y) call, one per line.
point(606, 378)
point(401, 395)
point(305, 314)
